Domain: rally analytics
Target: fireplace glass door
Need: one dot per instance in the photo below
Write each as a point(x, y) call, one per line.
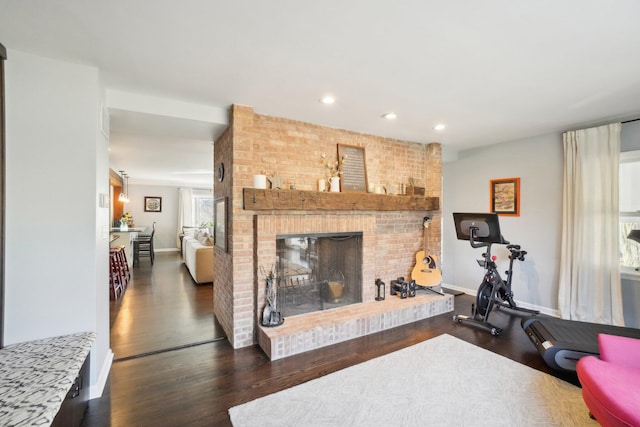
point(318, 272)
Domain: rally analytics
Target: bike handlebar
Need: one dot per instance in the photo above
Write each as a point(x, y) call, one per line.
point(517, 254)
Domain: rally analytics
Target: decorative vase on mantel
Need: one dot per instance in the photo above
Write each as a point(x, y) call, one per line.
point(334, 183)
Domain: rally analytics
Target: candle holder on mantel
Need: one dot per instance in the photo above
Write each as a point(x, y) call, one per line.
point(380, 290)
point(334, 184)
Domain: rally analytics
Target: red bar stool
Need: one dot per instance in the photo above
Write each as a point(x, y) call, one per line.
point(115, 278)
point(124, 265)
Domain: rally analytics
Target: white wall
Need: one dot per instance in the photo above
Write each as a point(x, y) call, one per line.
point(101, 362)
point(538, 162)
point(56, 278)
point(166, 221)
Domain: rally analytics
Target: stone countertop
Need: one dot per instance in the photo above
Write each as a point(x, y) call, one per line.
point(129, 230)
point(35, 377)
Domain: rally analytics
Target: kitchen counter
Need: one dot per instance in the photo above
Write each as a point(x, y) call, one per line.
point(126, 239)
point(134, 229)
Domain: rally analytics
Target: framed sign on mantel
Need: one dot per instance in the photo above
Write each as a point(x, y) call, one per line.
point(354, 168)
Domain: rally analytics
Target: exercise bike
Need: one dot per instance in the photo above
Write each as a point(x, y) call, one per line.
point(483, 230)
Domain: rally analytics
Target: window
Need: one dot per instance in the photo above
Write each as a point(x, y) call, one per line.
point(629, 207)
point(202, 208)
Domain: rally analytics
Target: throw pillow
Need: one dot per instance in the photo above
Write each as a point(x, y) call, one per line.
point(203, 236)
point(189, 231)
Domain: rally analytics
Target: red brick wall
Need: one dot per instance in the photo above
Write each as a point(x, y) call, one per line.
point(264, 144)
point(294, 150)
point(223, 297)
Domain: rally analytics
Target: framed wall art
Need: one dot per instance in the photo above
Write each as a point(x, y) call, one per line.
point(505, 196)
point(220, 223)
point(152, 204)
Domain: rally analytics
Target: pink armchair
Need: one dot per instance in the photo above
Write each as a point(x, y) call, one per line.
point(611, 383)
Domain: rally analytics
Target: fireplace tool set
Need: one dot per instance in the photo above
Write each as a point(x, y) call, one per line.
point(271, 316)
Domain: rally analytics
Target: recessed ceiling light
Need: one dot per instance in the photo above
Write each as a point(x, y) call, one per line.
point(440, 127)
point(390, 115)
point(328, 100)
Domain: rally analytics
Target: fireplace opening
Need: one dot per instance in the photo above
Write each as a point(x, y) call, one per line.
point(318, 271)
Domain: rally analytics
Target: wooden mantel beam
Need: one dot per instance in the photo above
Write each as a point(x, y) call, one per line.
point(299, 200)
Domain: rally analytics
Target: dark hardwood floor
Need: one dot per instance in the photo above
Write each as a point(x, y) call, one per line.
point(162, 308)
point(195, 386)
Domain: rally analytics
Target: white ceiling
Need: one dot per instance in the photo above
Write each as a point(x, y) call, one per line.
point(161, 150)
point(493, 70)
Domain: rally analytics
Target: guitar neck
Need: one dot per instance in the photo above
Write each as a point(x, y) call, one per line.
point(425, 224)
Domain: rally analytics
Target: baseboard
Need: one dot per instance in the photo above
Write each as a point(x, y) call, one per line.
point(458, 288)
point(96, 389)
point(166, 250)
point(544, 310)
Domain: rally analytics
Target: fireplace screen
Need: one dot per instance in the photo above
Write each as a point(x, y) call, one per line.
point(318, 272)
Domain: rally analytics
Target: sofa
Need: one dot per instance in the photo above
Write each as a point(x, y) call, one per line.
point(611, 383)
point(197, 254)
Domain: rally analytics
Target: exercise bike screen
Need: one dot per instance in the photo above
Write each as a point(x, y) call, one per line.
point(487, 225)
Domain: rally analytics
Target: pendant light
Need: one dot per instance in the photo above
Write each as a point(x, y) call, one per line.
point(123, 197)
point(127, 188)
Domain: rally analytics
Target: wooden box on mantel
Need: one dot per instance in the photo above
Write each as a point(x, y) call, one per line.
point(414, 191)
point(299, 200)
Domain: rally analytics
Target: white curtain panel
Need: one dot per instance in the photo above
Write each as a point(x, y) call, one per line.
point(185, 214)
point(590, 289)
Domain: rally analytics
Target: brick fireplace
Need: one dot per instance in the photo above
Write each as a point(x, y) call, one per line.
point(314, 330)
point(262, 144)
point(318, 271)
point(271, 225)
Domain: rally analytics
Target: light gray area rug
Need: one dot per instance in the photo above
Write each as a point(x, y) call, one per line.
point(440, 382)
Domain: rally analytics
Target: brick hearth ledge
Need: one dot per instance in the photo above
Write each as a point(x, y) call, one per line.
point(310, 331)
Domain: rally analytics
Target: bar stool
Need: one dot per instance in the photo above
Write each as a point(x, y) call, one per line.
point(115, 277)
point(123, 265)
point(143, 246)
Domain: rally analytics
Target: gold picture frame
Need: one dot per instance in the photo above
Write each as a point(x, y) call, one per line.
point(505, 196)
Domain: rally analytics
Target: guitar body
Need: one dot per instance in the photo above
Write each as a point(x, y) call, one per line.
point(425, 272)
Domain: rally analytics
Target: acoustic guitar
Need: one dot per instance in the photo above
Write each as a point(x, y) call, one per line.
point(426, 272)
